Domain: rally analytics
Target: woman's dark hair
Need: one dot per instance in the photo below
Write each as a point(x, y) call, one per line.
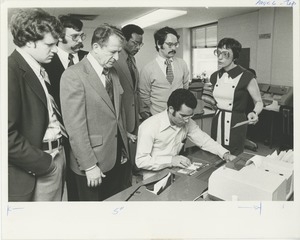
point(230, 43)
point(182, 96)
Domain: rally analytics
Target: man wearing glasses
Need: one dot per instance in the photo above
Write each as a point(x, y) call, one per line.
point(161, 137)
point(68, 53)
point(163, 75)
point(129, 78)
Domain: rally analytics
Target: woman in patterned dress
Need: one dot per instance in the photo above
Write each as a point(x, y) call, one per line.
point(233, 87)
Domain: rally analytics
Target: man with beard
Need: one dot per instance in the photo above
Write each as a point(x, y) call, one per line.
point(68, 53)
point(164, 74)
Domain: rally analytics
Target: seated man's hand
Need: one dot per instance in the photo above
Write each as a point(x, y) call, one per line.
point(180, 161)
point(94, 176)
point(228, 157)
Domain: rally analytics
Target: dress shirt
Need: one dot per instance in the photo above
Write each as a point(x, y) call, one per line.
point(97, 67)
point(159, 141)
point(162, 64)
point(64, 57)
point(53, 130)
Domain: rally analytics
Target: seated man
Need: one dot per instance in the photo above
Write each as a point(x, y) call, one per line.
point(161, 137)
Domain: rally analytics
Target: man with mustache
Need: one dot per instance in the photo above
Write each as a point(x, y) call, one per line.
point(92, 107)
point(164, 74)
point(36, 159)
point(68, 53)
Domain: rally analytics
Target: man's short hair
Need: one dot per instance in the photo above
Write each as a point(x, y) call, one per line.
point(32, 24)
point(161, 35)
point(180, 97)
point(129, 29)
point(103, 32)
point(70, 22)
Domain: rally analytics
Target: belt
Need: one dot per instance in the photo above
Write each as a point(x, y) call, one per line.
point(46, 146)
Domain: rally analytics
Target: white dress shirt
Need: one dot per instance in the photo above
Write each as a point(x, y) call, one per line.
point(64, 57)
point(97, 67)
point(159, 141)
point(53, 131)
point(161, 62)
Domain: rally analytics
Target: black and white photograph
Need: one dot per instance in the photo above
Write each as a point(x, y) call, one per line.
point(139, 120)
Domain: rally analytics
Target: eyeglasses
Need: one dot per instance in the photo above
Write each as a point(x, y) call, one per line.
point(75, 37)
point(137, 44)
point(170, 44)
point(183, 116)
point(225, 54)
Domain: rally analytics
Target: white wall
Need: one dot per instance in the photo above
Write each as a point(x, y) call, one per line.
point(271, 58)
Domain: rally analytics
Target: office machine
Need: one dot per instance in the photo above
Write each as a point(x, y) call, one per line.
point(282, 94)
point(259, 178)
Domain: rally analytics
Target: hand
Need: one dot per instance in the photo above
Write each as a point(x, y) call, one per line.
point(228, 157)
point(131, 137)
point(252, 117)
point(94, 177)
point(180, 161)
point(145, 115)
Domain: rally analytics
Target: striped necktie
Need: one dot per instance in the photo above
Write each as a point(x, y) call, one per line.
point(53, 103)
point(131, 67)
point(169, 71)
point(71, 62)
point(108, 84)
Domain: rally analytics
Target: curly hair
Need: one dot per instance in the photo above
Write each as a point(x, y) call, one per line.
point(129, 29)
point(161, 35)
point(32, 24)
point(103, 32)
point(182, 96)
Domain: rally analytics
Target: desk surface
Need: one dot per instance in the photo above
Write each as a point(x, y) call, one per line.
point(183, 188)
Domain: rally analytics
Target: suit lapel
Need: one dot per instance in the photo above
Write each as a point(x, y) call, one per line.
point(30, 78)
point(97, 85)
point(124, 68)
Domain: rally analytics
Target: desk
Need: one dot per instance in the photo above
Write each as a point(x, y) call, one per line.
point(184, 187)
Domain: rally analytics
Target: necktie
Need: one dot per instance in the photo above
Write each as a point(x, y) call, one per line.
point(131, 67)
point(108, 84)
point(169, 71)
point(71, 62)
point(53, 103)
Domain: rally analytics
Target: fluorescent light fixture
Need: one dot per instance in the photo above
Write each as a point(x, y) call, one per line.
point(155, 17)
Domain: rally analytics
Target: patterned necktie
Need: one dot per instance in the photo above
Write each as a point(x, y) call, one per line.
point(71, 62)
point(108, 84)
point(169, 71)
point(131, 67)
point(53, 103)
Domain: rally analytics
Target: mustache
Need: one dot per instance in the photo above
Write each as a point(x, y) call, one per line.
point(173, 51)
point(77, 46)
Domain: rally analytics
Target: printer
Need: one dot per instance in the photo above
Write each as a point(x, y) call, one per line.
point(282, 94)
point(258, 179)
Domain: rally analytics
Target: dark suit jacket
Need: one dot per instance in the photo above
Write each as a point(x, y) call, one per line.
point(130, 96)
point(27, 123)
point(90, 118)
point(55, 69)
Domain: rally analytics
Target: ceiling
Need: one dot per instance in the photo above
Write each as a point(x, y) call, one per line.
point(119, 15)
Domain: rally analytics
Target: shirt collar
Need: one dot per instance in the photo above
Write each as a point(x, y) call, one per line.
point(36, 67)
point(98, 68)
point(165, 122)
point(233, 73)
point(162, 60)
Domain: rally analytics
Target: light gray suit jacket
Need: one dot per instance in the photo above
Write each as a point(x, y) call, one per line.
point(130, 96)
point(90, 118)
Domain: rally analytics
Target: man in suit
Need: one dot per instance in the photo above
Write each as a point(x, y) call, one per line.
point(91, 101)
point(160, 77)
point(129, 77)
point(36, 159)
point(68, 54)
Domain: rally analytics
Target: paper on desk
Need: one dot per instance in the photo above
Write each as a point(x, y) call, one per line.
point(189, 169)
point(160, 185)
point(241, 123)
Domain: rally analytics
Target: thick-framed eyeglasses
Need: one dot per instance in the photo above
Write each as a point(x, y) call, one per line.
point(185, 117)
point(224, 54)
point(136, 44)
point(170, 44)
point(76, 37)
